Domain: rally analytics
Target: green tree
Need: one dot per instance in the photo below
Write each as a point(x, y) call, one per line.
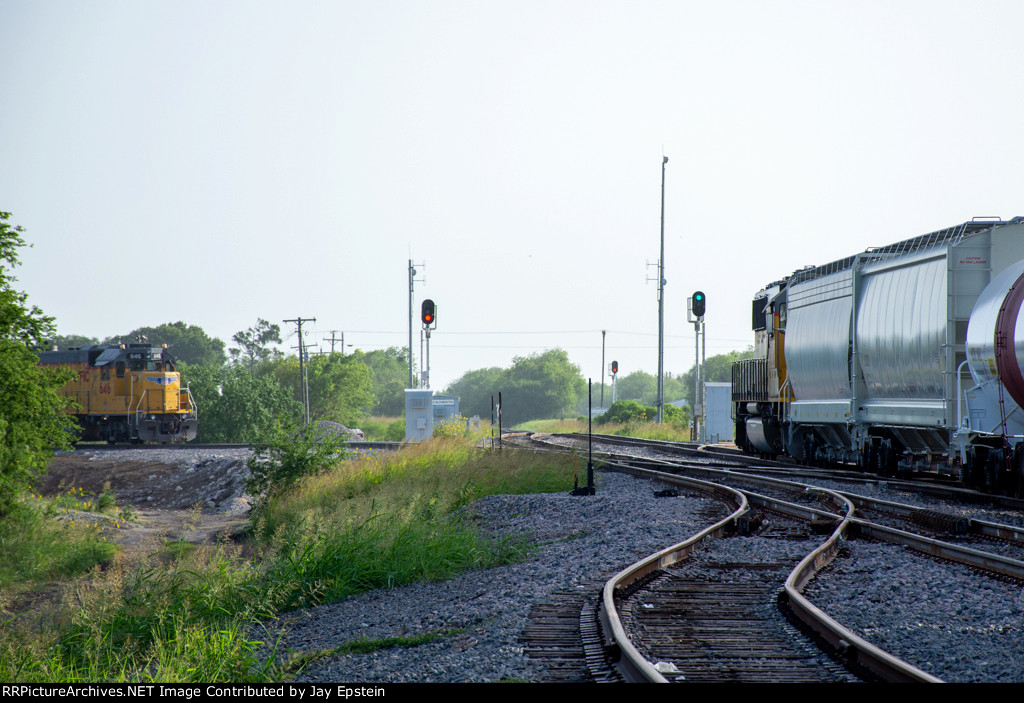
point(236, 406)
point(626, 410)
point(390, 375)
point(681, 417)
point(639, 386)
point(630, 410)
point(716, 368)
point(475, 390)
point(32, 421)
point(643, 388)
point(71, 341)
point(339, 386)
point(542, 386)
point(187, 343)
point(254, 344)
point(287, 452)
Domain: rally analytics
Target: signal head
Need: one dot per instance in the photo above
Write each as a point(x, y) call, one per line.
point(699, 303)
point(428, 312)
point(615, 367)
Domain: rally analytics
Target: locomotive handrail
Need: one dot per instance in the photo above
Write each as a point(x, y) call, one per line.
point(137, 412)
point(784, 400)
point(193, 408)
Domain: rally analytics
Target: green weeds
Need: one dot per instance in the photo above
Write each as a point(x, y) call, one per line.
point(177, 613)
point(636, 427)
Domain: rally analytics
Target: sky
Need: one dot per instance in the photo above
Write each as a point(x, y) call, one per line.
point(221, 161)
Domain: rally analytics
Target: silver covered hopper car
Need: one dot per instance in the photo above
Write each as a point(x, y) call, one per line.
point(900, 358)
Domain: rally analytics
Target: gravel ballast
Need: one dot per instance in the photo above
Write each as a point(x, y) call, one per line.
point(952, 623)
point(581, 538)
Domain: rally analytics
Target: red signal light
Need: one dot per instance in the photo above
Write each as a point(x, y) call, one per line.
point(428, 312)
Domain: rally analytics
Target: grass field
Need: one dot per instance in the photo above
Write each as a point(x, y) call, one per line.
point(643, 430)
point(74, 607)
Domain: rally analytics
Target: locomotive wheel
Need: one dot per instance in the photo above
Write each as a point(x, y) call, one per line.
point(1018, 476)
point(991, 476)
point(884, 460)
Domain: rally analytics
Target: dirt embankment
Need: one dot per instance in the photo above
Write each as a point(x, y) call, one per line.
point(188, 494)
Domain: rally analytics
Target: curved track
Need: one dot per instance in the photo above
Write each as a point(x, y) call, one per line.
point(708, 637)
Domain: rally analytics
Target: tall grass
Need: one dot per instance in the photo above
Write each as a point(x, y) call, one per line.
point(635, 428)
point(41, 541)
point(164, 613)
point(386, 520)
point(146, 615)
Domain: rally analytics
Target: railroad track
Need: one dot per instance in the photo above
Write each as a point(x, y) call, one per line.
point(738, 654)
point(641, 606)
point(691, 453)
point(719, 622)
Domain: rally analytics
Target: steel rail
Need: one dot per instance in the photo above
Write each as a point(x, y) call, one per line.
point(965, 555)
point(633, 666)
point(853, 647)
point(968, 556)
point(718, 454)
point(1013, 534)
point(889, 667)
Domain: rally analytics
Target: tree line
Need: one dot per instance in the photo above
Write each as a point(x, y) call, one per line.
point(548, 385)
point(246, 390)
point(243, 390)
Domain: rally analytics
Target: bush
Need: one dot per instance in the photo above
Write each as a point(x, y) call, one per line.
point(627, 411)
point(286, 453)
point(383, 429)
point(454, 426)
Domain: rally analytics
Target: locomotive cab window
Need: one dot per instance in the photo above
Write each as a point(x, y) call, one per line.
point(120, 369)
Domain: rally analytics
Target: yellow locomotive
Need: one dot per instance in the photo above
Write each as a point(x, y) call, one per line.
point(127, 393)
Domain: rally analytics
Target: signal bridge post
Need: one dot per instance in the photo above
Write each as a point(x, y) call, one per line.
point(696, 306)
point(615, 376)
point(428, 315)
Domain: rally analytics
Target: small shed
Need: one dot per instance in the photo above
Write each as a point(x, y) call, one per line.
point(419, 414)
point(718, 425)
point(445, 408)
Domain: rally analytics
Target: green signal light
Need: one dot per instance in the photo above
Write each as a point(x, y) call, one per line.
point(699, 303)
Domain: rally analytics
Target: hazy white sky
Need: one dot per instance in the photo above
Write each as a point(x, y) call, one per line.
point(219, 161)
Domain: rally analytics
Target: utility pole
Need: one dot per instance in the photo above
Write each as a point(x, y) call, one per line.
point(602, 367)
point(412, 278)
point(332, 339)
point(696, 381)
point(303, 384)
point(661, 302)
point(703, 380)
point(696, 306)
